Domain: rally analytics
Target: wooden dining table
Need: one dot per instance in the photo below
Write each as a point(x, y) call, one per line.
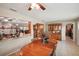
point(37, 48)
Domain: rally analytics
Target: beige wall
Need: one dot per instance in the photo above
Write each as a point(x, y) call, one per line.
point(78, 32)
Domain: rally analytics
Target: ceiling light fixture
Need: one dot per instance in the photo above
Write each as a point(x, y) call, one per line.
point(37, 6)
point(6, 20)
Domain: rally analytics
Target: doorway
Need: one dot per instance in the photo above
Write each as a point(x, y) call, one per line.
point(69, 31)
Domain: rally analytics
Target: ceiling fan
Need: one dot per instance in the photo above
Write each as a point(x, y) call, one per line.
point(37, 6)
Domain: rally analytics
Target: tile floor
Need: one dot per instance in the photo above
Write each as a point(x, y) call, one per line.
point(67, 48)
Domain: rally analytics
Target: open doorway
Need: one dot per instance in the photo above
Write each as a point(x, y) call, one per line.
point(69, 31)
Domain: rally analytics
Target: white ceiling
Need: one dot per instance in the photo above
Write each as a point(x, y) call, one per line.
point(54, 11)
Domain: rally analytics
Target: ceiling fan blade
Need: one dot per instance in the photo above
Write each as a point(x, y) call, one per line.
point(34, 5)
point(29, 8)
point(41, 6)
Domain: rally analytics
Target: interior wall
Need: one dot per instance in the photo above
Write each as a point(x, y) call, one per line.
point(77, 32)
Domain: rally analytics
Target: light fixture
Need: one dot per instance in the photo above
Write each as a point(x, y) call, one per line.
point(6, 20)
point(17, 24)
point(38, 6)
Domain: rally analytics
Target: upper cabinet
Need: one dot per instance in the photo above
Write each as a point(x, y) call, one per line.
point(54, 31)
point(38, 30)
point(55, 28)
